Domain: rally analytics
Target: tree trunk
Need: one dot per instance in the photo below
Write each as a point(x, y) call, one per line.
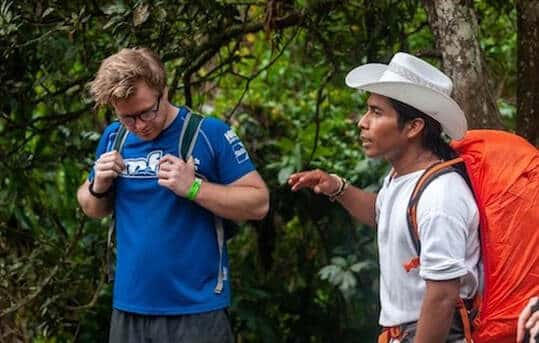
point(455, 29)
point(528, 70)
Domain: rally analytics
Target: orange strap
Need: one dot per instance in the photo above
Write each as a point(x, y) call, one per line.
point(465, 321)
point(429, 174)
point(413, 263)
point(391, 332)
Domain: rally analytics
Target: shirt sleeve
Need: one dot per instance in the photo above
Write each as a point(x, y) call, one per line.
point(380, 197)
point(447, 214)
point(232, 160)
point(104, 145)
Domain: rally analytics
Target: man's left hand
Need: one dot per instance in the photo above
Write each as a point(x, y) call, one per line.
point(175, 174)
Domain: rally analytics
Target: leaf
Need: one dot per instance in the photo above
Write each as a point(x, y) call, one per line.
point(284, 174)
point(360, 266)
point(328, 272)
point(113, 9)
point(141, 14)
point(339, 261)
point(47, 12)
point(348, 281)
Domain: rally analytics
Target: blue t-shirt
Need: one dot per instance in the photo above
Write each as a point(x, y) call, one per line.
point(167, 251)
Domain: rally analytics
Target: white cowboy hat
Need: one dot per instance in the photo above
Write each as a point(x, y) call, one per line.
point(416, 83)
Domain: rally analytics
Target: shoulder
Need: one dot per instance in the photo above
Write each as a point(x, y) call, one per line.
point(448, 195)
point(108, 136)
point(112, 128)
point(212, 124)
point(449, 186)
point(217, 132)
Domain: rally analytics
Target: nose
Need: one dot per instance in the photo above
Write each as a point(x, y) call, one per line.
point(362, 123)
point(139, 123)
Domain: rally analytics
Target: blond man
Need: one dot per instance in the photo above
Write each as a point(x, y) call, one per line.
point(171, 279)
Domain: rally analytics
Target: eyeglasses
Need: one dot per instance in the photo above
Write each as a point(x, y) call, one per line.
point(144, 116)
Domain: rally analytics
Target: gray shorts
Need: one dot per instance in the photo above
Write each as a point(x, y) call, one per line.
point(207, 327)
point(456, 334)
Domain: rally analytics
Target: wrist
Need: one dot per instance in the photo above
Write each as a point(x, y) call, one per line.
point(342, 186)
point(98, 195)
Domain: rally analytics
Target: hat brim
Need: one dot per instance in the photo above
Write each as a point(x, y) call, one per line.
point(433, 103)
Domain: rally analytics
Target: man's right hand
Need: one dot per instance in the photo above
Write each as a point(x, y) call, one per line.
point(529, 320)
point(360, 204)
point(318, 180)
point(107, 168)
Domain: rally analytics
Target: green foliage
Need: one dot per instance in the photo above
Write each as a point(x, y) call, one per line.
point(307, 273)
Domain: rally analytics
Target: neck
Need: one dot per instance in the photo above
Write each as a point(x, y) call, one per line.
point(171, 112)
point(413, 159)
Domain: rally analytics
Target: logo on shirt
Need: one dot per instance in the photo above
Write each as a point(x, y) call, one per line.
point(143, 167)
point(231, 136)
point(146, 167)
point(240, 153)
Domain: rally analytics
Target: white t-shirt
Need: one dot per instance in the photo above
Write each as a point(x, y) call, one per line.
point(448, 222)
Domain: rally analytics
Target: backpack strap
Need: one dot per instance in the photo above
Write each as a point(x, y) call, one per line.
point(117, 144)
point(188, 137)
point(189, 134)
point(119, 139)
point(426, 178)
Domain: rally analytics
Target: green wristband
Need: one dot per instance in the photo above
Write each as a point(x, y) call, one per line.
point(194, 189)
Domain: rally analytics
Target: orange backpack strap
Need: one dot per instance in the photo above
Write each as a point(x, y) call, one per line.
point(388, 333)
point(466, 322)
point(426, 178)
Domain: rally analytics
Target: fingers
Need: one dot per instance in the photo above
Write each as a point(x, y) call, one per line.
point(525, 321)
point(169, 159)
point(534, 334)
point(302, 180)
point(176, 174)
point(111, 155)
point(109, 165)
point(104, 166)
point(191, 163)
point(533, 321)
point(314, 179)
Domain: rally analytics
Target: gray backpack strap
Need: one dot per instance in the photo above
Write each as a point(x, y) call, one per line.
point(188, 137)
point(119, 139)
point(220, 232)
point(117, 144)
point(189, 134)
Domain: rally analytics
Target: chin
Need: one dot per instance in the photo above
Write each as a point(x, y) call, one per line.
point(146, 137)
point(371, 153)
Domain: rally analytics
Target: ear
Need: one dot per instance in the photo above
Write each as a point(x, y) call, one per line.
point(415, 127)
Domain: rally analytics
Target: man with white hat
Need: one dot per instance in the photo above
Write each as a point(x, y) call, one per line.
point(409, 108)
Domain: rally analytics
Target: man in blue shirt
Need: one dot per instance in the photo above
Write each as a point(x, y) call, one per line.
point(171, 280)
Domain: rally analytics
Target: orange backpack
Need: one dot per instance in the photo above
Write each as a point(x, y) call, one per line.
point(503, 171)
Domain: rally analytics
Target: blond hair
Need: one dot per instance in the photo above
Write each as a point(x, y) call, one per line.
point(118, 75)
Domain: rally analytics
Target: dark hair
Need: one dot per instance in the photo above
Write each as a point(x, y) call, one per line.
point(431, 137)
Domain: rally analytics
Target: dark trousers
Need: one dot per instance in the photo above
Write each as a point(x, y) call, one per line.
point(207, 327)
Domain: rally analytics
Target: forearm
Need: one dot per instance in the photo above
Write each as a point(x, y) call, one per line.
point(360, 204)
point(92, 206)
point(235, 202)
point(437, 311)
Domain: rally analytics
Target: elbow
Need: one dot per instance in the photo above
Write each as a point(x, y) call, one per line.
point(89, 206)
point(93, 214)
point(261, 211)
point(445, 294)
point(91, 211)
